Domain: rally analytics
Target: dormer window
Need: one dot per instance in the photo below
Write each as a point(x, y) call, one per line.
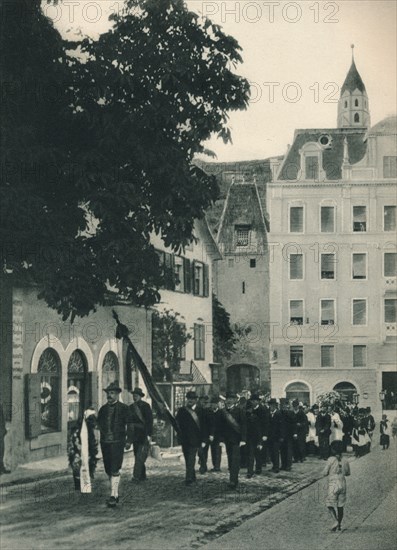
point(242, 235)
point(311, 161)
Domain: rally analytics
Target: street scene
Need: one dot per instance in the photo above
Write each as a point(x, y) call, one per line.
point(198, 300)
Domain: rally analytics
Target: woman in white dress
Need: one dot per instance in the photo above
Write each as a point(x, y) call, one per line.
point(336, 426)
point(312, 438)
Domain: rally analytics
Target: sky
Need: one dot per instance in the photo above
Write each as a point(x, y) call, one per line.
point(296, 56)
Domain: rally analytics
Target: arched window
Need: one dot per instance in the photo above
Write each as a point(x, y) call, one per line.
point(356, 102)
point(110, 369)
point(49, 369)
point(346, 390)
point(345, 104)
point(299, 391)
point(356, 117)
point(77, 385)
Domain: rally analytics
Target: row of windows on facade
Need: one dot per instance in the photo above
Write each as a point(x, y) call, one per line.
point(328, 219)
point(327, 356)
point(184, 275)
point(312, 164)
point(329, 262)
point(359, 311)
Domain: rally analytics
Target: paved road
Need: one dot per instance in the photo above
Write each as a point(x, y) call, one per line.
point(301, 521)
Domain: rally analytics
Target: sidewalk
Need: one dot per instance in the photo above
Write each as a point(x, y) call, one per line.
point(58, 466)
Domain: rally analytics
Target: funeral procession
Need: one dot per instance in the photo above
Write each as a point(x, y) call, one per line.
point(198, 283)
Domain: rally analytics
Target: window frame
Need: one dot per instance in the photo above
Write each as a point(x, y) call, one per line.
point(395, 217)
point(290, 207)
point(303, 266)
point(366, 312)
point(366, 218)
point(384, 311)
point(320, 266)
point(366, 266)
point(366, 356)
point(290, 357)
point(199, 343)
point(383, 267)
point(320, 316)
point(334, 218)
point(181, 285)
point(241, 227)
point(289, 311)
point(333, 356)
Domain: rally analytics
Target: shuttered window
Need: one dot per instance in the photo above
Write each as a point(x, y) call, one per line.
point(296, 266)
point(327, 219)
point(327, 356)
point(359, 356)
point(296, 219)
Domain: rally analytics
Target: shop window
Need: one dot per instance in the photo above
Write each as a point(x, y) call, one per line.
point(49, 370)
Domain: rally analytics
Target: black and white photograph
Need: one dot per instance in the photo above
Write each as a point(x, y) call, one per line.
point(198, 283)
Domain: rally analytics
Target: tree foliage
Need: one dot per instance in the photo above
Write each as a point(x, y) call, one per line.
point(169, 336)
point(97, 143)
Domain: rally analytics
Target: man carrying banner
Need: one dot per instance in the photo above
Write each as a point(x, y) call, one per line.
point(190, 434)
point(141, 433)
point(113, 421)
point(233, 429)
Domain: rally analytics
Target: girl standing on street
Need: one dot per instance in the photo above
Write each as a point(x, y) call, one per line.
point(384, 432)
point(337, 468)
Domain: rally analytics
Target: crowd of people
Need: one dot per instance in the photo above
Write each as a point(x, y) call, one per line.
point(254, 431)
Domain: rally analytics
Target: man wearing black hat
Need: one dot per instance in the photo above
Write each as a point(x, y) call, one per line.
point(215, 437)
point(233, 429)
point(276, 434)
point(302, 427)
point(190, 434)
point(323, 428)
point(291, 435)
point(141, 433)
point(257, 433)
point(113, 422)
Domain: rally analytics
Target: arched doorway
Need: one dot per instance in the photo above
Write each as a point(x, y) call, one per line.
point(242, 377)
point(110, 369)
point(299, 391)
point(76, 387)
point(346, 391)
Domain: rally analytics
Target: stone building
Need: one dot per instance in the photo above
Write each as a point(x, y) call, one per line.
point(332, 250)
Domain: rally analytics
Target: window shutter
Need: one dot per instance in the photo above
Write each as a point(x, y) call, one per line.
point(206, 280)
point(33, 405)
point(193, 272)
point(196, 340)
point(169, 271)
point(91, 395)
point(187, 274)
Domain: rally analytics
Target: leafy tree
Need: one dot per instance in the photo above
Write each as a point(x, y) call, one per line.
point(97, 143)
point(169, 336)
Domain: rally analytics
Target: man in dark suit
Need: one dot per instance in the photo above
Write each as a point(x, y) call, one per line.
point(276, 434)
point(214, 413)
point(233, 429)
point(323, 428)
point(204, 413)
point(257, 433)
point(291, 435)
point(190, 434)
point(141, 433)
point(299, 444)
point(113, 422)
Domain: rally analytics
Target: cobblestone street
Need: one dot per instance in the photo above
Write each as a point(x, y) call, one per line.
point(160, 513)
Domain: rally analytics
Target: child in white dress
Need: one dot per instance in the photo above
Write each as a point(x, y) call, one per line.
point(337, 468)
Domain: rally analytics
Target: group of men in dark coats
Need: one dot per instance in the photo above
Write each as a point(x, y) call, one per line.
point(252, 428)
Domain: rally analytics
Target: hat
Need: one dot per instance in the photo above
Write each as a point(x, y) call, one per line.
point(191, 395)
point(113, 386)
point(231, 395)
point(138, 391)
point(295, 403)
point(315, 406)
point(255, 397)
point(273, 401)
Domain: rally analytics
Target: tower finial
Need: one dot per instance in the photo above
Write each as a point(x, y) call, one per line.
point(352, 47)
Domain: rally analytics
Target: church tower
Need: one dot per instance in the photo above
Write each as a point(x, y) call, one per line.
point(353, 108)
